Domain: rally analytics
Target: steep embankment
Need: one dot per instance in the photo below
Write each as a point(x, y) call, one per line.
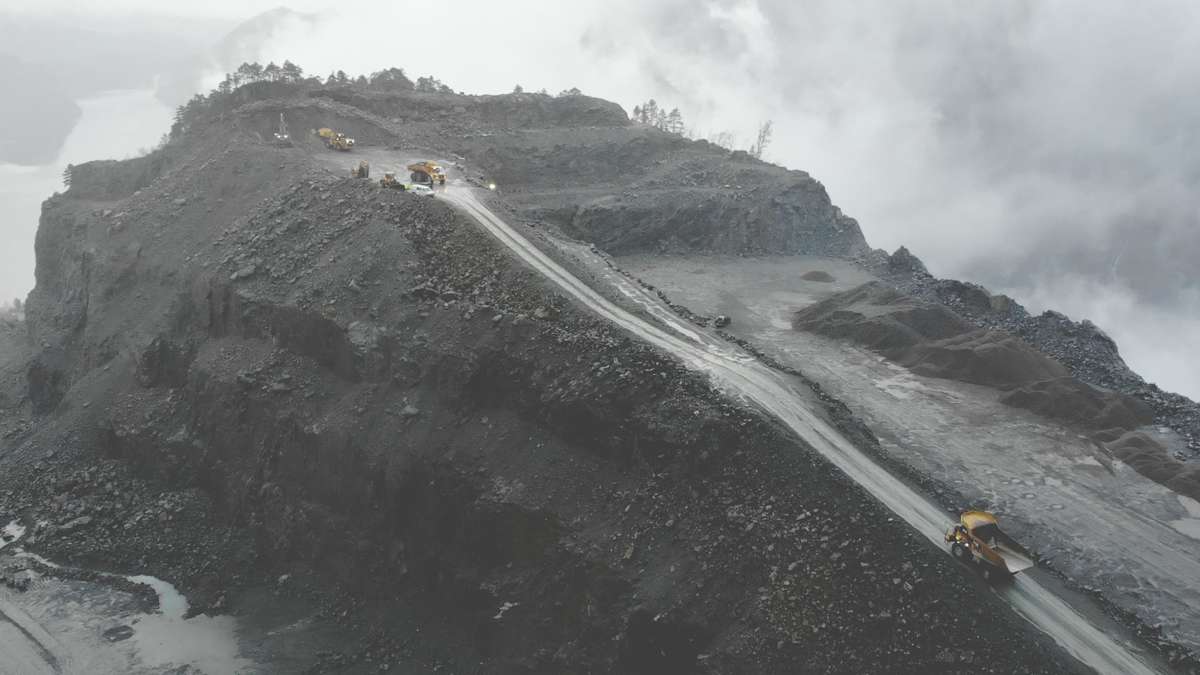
point(636, 189)
point(278, 371)
point(14, 362)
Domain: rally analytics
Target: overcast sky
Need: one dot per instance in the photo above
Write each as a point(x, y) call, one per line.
point(1045, 148)
point(231, 9)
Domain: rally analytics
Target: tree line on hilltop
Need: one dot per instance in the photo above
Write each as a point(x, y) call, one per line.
point(652, 114)
point(219, 99)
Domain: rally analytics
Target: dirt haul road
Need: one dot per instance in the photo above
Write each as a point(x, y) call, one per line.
point(743, 377)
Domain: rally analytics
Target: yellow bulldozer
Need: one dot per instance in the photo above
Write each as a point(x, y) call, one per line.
point(427, 173)
point(335, 140)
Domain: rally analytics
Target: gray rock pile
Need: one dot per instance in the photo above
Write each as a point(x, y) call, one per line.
point(1083, 348)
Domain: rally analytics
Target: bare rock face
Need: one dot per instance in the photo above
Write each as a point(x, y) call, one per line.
point(635, 189)
point(15, 355)
point(905, 263)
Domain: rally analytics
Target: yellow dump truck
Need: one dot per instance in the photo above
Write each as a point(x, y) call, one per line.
point(335, 140)
point(427, 173)
point(977, 539)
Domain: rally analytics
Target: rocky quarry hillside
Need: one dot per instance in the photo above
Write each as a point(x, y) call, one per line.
point(240, 367)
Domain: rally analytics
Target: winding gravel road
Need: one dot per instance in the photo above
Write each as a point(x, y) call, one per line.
point(742, 376)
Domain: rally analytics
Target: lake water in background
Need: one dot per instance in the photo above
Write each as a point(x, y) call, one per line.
point(113, 125)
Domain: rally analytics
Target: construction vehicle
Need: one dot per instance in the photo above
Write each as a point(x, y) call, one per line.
point(427, 173)
point(281, 134)
point(977, 539)
point(419, 189)
point(363, 170)
point(335, 140)
point(389, 181)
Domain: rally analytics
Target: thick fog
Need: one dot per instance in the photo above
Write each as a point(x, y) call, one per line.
point(1047, 150)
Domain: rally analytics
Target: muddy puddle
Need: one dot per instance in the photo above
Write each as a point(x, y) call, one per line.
point(53, 624)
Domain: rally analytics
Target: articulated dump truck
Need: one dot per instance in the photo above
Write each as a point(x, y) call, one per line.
point(335, 140)
point(427, 173)
point(977, 539)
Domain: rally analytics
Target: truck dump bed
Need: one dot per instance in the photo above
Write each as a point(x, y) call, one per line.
point(995, 547)
point(1015, 558)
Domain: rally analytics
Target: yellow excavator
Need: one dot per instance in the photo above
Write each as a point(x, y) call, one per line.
point(335, 140)
point(977, 539)
point(427, 173)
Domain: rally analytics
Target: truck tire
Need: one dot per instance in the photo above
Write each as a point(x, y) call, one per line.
point(960, 552)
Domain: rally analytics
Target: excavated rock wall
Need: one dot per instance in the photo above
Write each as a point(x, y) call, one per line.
point(636, 189)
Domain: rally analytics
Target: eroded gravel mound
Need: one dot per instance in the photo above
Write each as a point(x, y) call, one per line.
point(1068, 399)
point(1152, 460)
point(991, 358)
point(929, 339)
point(880, 318)
point(932, 340)
point(1081, 346)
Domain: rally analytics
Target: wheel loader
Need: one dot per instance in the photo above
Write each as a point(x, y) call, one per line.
point(363, 170)
point(977, 539)
point(335, 140)
point(427, 173)
point(389, 181)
